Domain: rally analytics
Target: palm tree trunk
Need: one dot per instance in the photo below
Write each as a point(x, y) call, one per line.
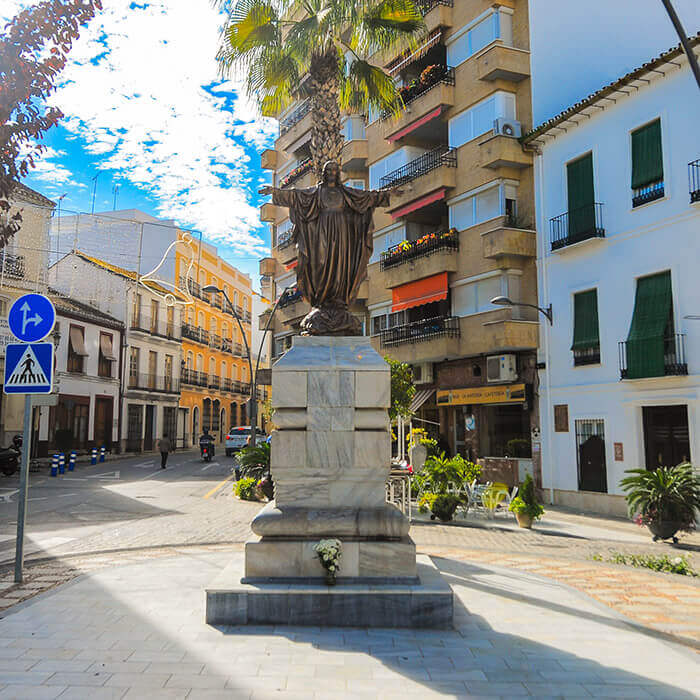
point(324, 87)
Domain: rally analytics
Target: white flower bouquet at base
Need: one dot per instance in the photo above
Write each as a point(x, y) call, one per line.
point(329, 554)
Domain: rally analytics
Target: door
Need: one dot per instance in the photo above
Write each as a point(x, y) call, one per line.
point(581, 198)
point(148, 432)
point(134, 425)
point(152, 369)
point(103, 422)
point(666, 437)
point(590, 443)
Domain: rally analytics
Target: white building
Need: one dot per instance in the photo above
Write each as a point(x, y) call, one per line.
point(87, 373)
point(152, 353)
point(618, 184)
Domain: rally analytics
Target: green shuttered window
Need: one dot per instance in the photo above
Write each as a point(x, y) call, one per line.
point(581, 198)
point(650, 320)
point(586, 321)
point(647, 157)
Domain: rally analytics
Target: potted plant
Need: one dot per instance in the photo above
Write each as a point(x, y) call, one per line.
point(525, 505)
point(254, 463)
point(329, 554)
point(664, 499)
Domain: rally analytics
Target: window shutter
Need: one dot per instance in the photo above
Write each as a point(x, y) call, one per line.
point(645, 342)
point(581, 198)
point(586, 334)
point(647, 158)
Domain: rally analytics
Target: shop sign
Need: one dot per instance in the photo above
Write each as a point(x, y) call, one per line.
point(561, 418)
point(509, 393)
point(619, 452)
point(5, 336)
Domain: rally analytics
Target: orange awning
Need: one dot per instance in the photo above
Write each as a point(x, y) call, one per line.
point(419, 292)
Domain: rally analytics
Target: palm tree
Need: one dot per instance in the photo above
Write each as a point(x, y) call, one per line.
point(277, 43)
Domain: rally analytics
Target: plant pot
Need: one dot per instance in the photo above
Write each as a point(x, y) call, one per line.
point(524, 520)
point(330, 578)
point(268, 489)
point(664, 529)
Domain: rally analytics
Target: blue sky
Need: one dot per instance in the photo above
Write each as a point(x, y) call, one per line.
point(147, 110)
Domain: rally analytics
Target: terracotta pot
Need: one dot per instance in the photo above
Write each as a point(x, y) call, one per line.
point(524, 520)
point(664, 529)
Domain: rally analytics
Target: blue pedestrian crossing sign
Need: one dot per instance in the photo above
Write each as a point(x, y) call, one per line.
point(29, 368)
point(31, 318)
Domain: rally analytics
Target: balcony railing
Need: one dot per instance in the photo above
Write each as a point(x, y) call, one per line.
point(194, 288)
point(198, 335)
point(215, 341)
point(587, 356)
point(192, 377)
point(442, 155)
point(576, 226)
point(284, 240)
point(648, 193)
point(673, 348)
point(694, 180)
point(300, 170)
point(295, 117)
point(421, 331)
point(159, 326)
point(291, 296)
point(407, 251)
point(426, 5)
point(437, 75)
point(214, 382)
point(154, 382)
point(12, 265)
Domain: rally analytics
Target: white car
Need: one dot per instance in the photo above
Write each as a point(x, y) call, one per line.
point(237, 438)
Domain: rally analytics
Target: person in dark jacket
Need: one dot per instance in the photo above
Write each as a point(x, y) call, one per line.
point(165, 447)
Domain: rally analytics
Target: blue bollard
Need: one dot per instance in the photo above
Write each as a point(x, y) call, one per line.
point(54, 465)
point(93, 456)
point(62, 463)
point(102, 454)
point(71, 461)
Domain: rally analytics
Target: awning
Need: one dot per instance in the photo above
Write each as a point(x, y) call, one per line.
point(415, 125)
point(106, 347)
point(431, 41)
point(77, 341)
point(419, 203)
point(419, 292)
point(292, 264)
point(419, 398)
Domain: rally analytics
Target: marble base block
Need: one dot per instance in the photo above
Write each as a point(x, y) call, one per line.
point(427, 603)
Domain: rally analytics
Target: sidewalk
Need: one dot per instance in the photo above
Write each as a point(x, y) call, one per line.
point(137, 631)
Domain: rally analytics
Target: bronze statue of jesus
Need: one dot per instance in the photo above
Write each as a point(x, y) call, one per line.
point(333, 230)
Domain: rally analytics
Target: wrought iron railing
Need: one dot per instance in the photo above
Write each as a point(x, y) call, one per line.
point(694, 180)
point(193, 377)
point(285, 239)
point(426, 5)
point(295, 117)
point(214, 382)
point(440, 75)
point(198, 335)
point(156, 326)
point(648, 193)
point(194, 288)
point(299, 171)
point(237, 350)
point(408, 251)
point(291, 296)
point(576, 226)
point(438, 157)
point(154, 382)
point(215, 341)
point(421, 331)
point(13, 265)
point(587, 356)
point(674, 362)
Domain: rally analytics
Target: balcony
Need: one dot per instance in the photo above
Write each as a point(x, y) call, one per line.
point(294, 125)
point(428, 339)
point(422, 102)
point(214, 382)
point(154, 382)
point(268, 267)
point(648, 193)
point(653, 357)
point(694, 180)
point(576, 226)
point(270, 213)
point(436, 13)
point(215, 341)
point(354, 154)
point(503, 152)
point(292, 306)
point(509, 334)
point(502, 62)
point(162, 328)
point(268, 159)
point(285, 249)
point(191, 377)
point(197, 335)
point(12, 265)
point(193, 287)
point(507, 242)
point(296, 173)
point(587, 356)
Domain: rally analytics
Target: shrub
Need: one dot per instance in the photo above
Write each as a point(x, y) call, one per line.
point(663, 563)
point(245, 489)
point(526, 501)
point(425, 502)
point(444, 507)
point(442, 471)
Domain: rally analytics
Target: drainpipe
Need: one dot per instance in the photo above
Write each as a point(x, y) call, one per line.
point(120, 408)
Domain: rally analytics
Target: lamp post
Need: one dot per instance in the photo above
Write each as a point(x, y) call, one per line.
point(505, 301)
point(212, 289)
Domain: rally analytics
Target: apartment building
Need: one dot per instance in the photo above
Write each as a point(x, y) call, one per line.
point(459, 232)
point(215, 374)
point(618, 211)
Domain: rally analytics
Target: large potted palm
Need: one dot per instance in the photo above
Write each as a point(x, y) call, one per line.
point(320, 49)
point(665, 499)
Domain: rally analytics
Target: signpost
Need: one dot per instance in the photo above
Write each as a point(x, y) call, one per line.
point(28, 370)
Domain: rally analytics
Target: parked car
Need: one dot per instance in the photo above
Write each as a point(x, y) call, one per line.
point(237, 438)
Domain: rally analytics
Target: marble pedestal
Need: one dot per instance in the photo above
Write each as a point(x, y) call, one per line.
point(330, 459)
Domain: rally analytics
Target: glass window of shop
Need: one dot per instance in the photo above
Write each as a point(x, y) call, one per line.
point(506, 431)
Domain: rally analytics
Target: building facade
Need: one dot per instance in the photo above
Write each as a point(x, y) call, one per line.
point(618, 205)
point(215, 385)
point(459, 231)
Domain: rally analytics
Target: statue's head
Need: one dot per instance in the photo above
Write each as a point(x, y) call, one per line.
point(331, 173)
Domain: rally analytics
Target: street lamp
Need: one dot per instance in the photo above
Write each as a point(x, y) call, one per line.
point(505, 301)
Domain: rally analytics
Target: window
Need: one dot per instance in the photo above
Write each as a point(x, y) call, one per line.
point(507, 432)
point(392, 162)
point(152, 368)
point(496, 24)
point(590, 453)
point(106, 356)
point(383, 320)
point(354, 128)
point(586, 342)
point(136, 311)
point(190, 360)
point(76, 350)
point(581, 198)
point(647, 164)
point(357, 184)
point(281, 345)
point(168, 372)
point(475, 297)
point(479, 207)
point(479, 119)
point(154, 316)
point(383, 241)
point(170, 318)
point(134, 360)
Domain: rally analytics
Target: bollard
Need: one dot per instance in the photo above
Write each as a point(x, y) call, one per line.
point(102, 454)
point(62, 463)
point(93, 456)
point(71, 461)
point(54, 465)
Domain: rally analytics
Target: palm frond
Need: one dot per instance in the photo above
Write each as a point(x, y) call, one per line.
point(368, 86)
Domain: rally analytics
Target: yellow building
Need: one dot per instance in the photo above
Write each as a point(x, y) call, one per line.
point(215, 374)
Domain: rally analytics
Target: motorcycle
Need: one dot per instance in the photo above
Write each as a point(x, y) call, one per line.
point(207, 452)
point(10, 456)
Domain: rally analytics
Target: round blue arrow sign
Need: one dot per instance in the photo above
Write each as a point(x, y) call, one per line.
point(31, 318)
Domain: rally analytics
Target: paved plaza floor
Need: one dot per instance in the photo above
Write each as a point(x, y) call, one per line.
point(137, 631)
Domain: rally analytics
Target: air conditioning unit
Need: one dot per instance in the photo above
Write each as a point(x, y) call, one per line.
point(507, 127)
point(501, 368)
point(423, 373)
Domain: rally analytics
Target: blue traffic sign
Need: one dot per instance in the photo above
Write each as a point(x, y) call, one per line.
point(31, 318)
point(29, 368)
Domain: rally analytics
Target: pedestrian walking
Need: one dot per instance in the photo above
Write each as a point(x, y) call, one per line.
point(164, 445)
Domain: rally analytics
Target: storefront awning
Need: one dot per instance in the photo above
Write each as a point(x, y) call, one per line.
point(419, 398)
point(106, 347)
point(420, 292)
